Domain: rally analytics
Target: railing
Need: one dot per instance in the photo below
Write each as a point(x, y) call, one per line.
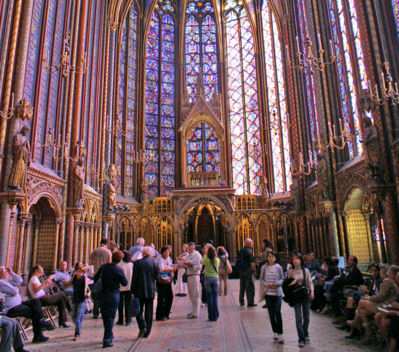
point(203, 179)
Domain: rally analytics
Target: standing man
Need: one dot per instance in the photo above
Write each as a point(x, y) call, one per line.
point(145, 275)
point(193, 265)
point(247, 268)
point(100, 256)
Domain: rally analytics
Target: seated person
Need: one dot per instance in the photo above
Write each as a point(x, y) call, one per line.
point(10, 336)
point(370, 289)
point(387, 320)
point(63, 278)
point(14, 307)
point(346, 284)
point(37, 290)
point(368, 306)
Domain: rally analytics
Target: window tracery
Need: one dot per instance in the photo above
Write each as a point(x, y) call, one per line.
point(160, 100)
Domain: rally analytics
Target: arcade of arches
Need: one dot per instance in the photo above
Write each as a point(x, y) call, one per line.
point(198, 120)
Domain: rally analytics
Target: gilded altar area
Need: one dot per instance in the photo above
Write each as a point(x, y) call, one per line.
point(198, 120)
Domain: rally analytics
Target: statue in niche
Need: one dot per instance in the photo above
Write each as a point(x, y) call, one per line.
point(21, 159)
point(372, 149)
point(77, 182)
point(112, 186)
point(322, 176)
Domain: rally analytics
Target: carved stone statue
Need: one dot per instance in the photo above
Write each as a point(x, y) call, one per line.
point(21, 159)
point(77, 182)
point(372, 149)
point(112, 186)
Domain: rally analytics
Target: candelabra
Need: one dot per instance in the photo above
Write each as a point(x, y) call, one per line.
point(339, 139)
point(390, 88)
point(308, 58)
point(304, 168)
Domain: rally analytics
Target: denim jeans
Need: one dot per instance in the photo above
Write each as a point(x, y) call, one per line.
point(109, 306)
point(212, 291)
point(79, 310)
point(302, 320)
point(274, 308)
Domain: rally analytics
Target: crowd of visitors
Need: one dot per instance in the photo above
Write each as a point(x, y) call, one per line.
point(127, 282)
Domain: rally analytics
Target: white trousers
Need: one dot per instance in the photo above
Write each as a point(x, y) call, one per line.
point(181, 287)
point(194, 293)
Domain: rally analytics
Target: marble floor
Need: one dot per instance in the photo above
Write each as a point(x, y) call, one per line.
point(238, 330)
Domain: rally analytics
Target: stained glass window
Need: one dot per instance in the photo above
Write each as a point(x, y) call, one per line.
point(203, 153)
point(127, 101)
point(200, 48)
point(243, 100)
point(88, 134)
point(350, 66)
point(42, 81)
point(312, 127)
point(276, 101)
point(160, 134)
point(395, 7)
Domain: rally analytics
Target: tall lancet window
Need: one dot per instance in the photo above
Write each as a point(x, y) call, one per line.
point(350, 66)
point(201, 48)
point(276, 101)
point(395, 8)
point(127, 101)
point(309, 92)
point(159, 132)
point(243, 100)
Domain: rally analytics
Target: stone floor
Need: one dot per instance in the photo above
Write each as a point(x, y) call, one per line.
point(238, 330)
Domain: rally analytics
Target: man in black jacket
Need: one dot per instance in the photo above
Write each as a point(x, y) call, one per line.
point(145, 275)
point(247, 269)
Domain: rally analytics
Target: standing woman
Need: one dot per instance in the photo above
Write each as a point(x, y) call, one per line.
point(112, 277)
point(211, 265)
point(80, 293)
point(272, 277)
point(181, 286)
point(224, 270)
point(124, 309)
point(164, 286)
point(301, 278)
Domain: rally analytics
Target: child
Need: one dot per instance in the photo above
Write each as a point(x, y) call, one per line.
point(80, 293)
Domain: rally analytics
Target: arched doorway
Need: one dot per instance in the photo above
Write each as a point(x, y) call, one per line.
point(204, 225)
point(357, 228)
point(43, 239)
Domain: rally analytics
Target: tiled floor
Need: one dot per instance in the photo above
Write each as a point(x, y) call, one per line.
point(238, 330)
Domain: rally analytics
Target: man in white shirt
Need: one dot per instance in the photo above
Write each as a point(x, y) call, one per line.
point(193, 264)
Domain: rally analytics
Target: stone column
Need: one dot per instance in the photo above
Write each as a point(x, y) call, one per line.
point(28, 247)
point(57, 258)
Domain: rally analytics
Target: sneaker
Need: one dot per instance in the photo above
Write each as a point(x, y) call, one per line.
point(275, 337)
point(301, 344)
point(281, 339)
point(252, 305)
point(307, 340)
